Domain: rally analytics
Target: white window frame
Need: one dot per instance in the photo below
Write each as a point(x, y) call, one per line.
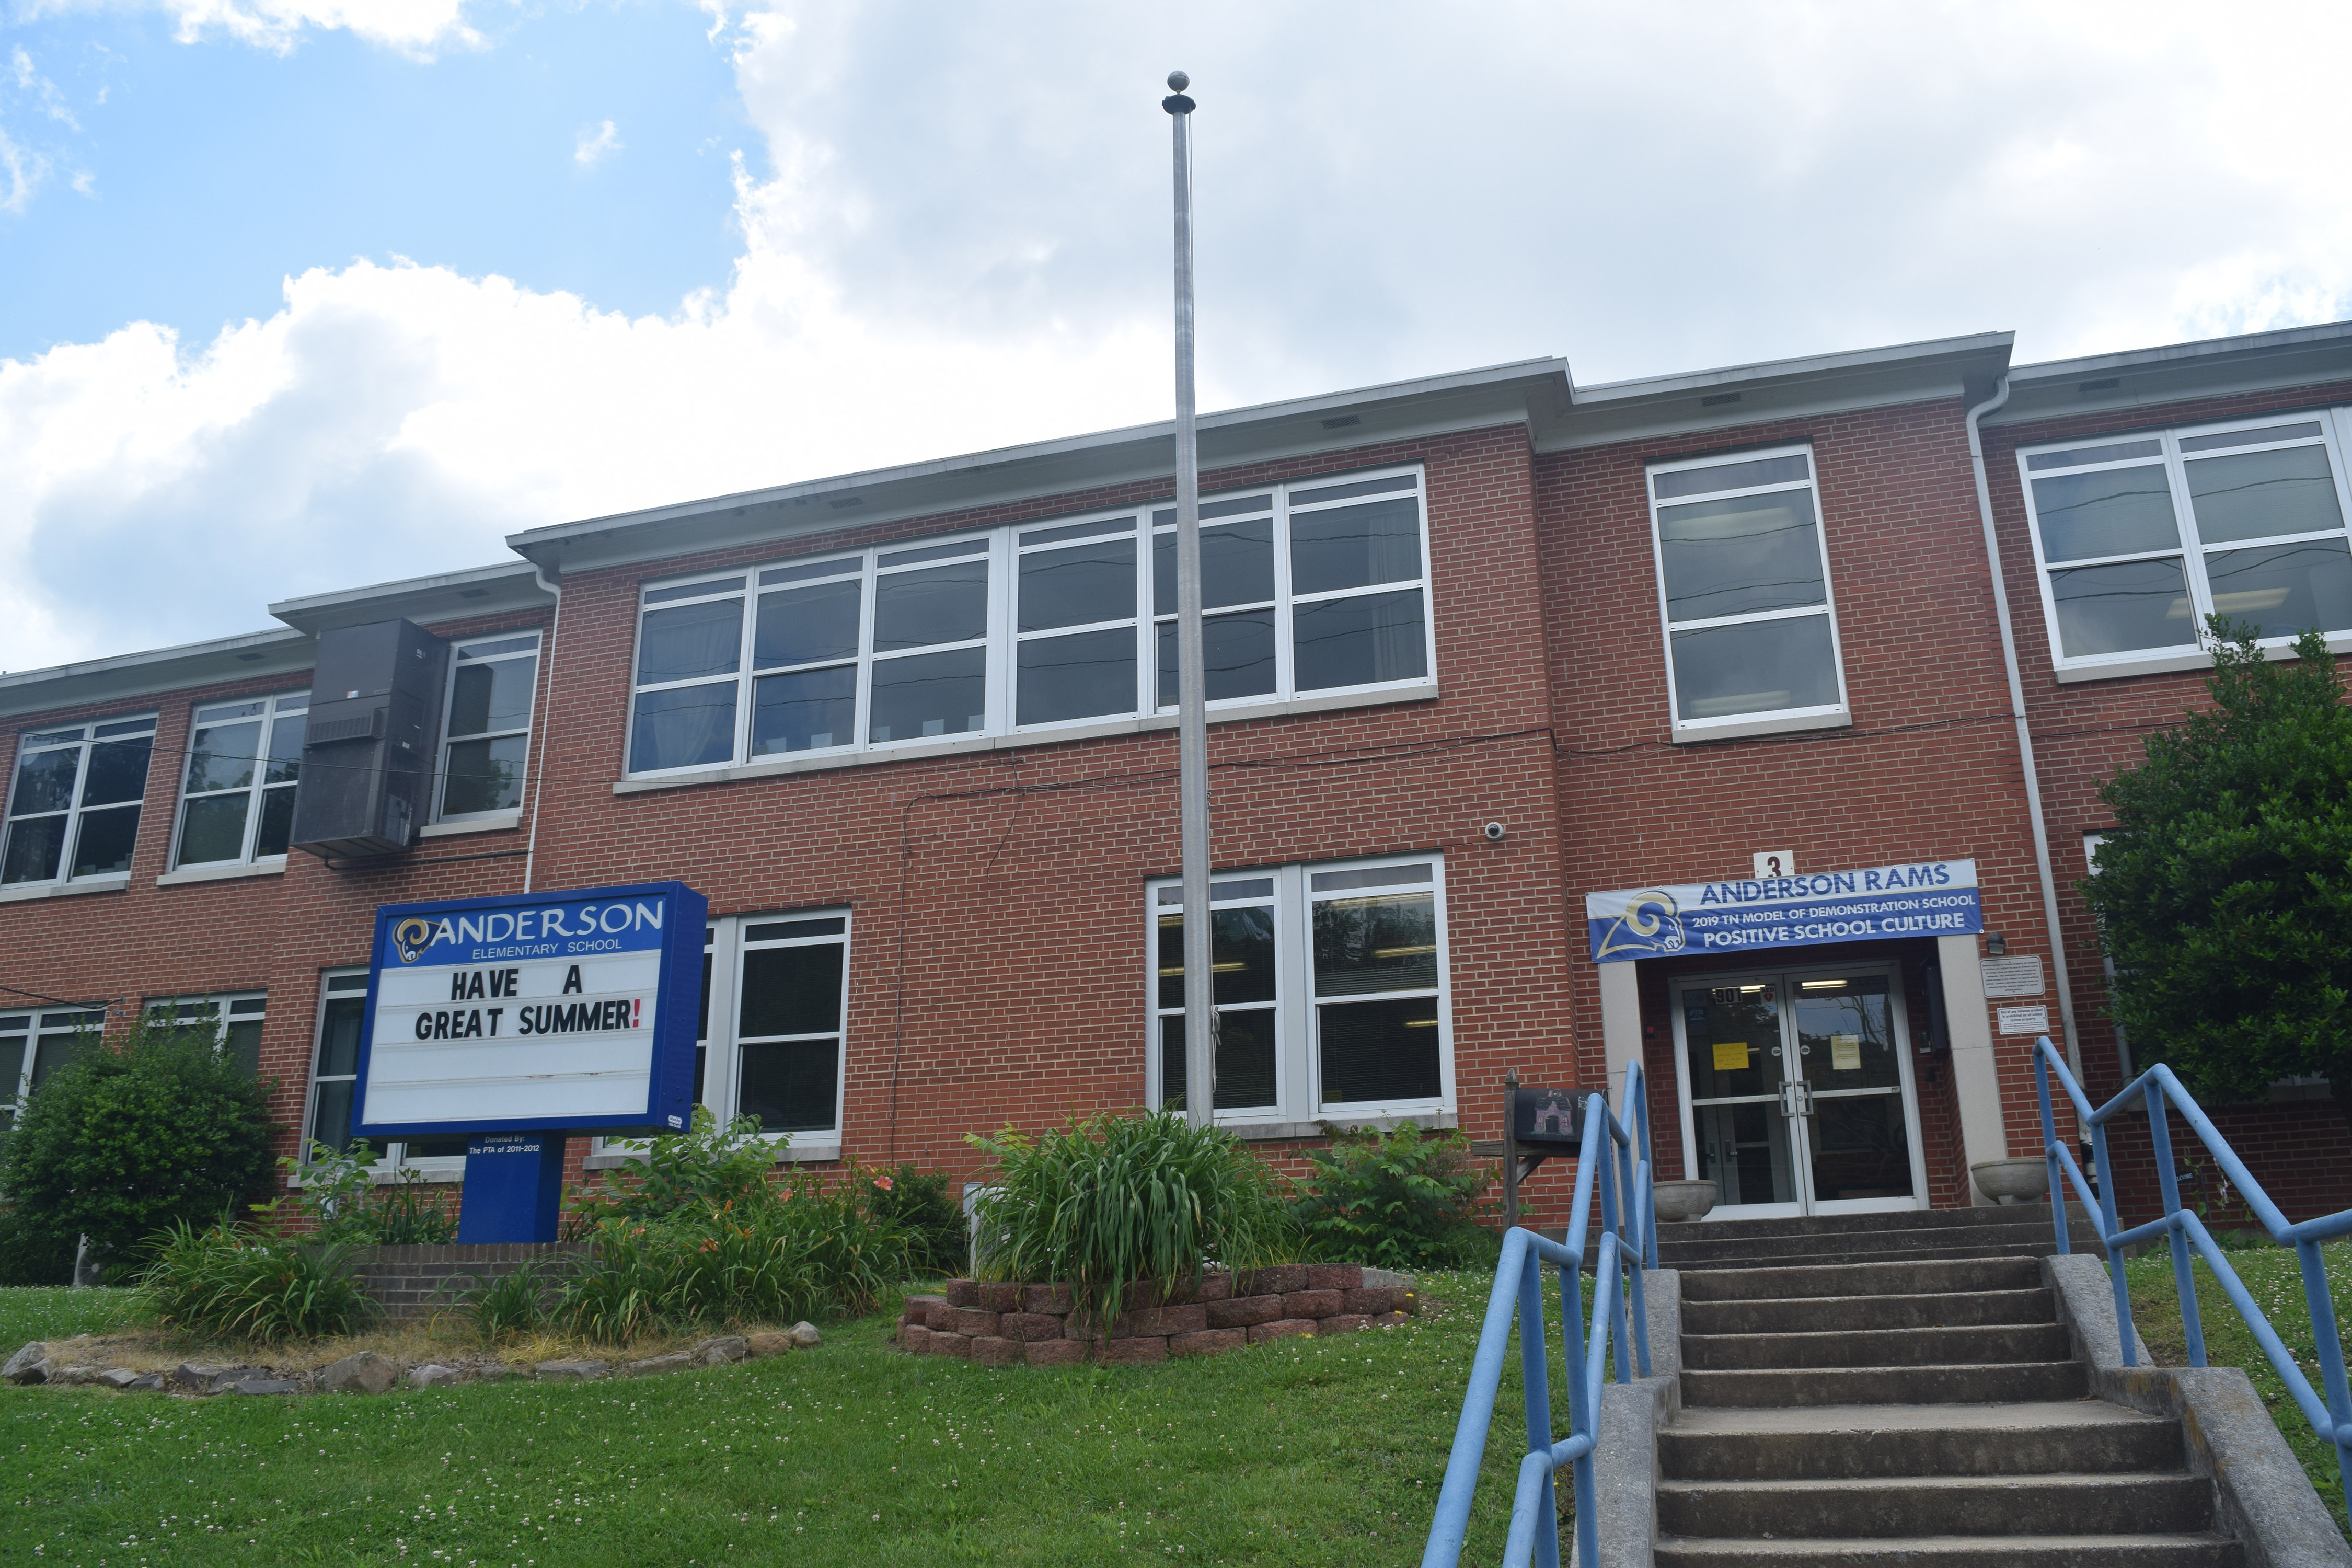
point(279, 705)
point(1300, 1106)
point(1003, 548)
point(1764, 721)
point(35, 1026)
point(392, 1164)
point(2333, 424)
point(86, 735)
point(458, 650)
point(721, 1073)
point(214, 1009)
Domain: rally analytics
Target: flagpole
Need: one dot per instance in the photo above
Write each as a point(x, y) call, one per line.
point(1191, 710)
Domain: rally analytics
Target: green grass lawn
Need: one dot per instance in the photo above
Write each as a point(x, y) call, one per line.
point(2271, 1277)
point(1308, 1451)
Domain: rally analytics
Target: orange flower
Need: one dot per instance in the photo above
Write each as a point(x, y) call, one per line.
point(883, 1183)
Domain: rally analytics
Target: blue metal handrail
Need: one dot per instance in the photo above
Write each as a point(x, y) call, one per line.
point(1628, 1244)
point(2159, 1090)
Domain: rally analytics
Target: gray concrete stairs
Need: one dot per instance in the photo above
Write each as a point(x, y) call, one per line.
point(2016, 1231)
point(1903, 1393)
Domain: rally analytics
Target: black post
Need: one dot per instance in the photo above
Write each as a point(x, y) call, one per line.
point(1510, 1147)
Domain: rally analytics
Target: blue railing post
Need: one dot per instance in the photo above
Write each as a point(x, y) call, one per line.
point(2167, 1178)
point(2321, 1301)
point(2109, 1226)
point(1535, 1376)
point(2049, 1155)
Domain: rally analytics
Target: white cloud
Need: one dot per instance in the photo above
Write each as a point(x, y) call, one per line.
point(594, 144)
point(417, 28)
point(24, 170)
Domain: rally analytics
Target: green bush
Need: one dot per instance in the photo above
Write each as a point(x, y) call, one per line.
point(152, 1129)
point(1404, 1199)
point(513, 1303)
point(918, 1201)
point(704, 1167)
point(1100, 1202)
point(32, 1254)
point(339, 1200)
point(227, 1283)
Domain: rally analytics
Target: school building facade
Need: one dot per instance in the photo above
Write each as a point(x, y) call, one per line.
point(1553, 727)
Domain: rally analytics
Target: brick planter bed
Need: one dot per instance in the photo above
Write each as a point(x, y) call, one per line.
point(408, 1282)
point(1005, 1325)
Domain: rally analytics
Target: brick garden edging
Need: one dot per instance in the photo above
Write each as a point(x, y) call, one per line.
point(1034, 1325)
point(416, 1281)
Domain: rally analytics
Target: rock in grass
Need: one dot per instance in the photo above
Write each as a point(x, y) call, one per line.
point(500, 1372)
point(570, 1371)
point(806, 1335)
point(366, 1373)
point(118, 1377)
point(722, 1350)
point(147, 1382)
point(203, 1377)
point(776, 1342)
point(69, 1376)
point(654, 1365)
point(29, 1364)
point(263, 1386)
point(432, 1374)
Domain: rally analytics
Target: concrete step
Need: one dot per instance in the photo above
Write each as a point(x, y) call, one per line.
point(2025, 1240)
point(1972, 1346)
point(1877, 1507)
point(1794, 1386)
point(1817, 1313)
point(1840, 1442)
point(2137, 1550)
point(1785, 1281)
point(2035, 1212)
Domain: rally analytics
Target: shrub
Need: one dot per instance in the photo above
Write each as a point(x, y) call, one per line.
point(227, 1283)
point(1108, 1200)
point(918, 1203)
point(703, 1167)
point(339, 1200)
point(775, 1254)
point(1404, 1199)
point(513, 1303)
point(32, 1254)
point(152, 1129)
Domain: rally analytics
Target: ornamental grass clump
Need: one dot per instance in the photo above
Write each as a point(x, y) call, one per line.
point(1100, 1202)
point(226, 1282)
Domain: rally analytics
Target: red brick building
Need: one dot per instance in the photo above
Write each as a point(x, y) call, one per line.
point(1494, 657)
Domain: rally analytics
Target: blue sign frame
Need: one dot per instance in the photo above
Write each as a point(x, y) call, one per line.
point(405, 934)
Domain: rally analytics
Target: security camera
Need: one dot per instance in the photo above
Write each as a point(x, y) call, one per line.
point(1495, 832)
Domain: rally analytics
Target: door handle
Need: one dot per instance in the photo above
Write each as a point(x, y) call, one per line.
point(1796, 1098)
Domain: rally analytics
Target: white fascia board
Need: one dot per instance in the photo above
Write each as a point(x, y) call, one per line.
point(2209, 367)
point(442, 597)
point(1618, 410)
point(125, 675)
point(1522, 394)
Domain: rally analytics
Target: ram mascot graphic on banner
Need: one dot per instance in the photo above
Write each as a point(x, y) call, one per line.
point(1652, 923)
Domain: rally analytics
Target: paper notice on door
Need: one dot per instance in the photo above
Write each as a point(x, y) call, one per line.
point(1731, 1055)
point(1845, 1053)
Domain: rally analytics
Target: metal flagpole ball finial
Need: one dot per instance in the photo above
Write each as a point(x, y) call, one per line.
point(1177, 81)
point(1178, 103)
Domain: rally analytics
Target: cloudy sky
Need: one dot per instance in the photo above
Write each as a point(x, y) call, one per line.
point(302, 294)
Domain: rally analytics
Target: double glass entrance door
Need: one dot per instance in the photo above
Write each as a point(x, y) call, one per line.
point(1797, 1092)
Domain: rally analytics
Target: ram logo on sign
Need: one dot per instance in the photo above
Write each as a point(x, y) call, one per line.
point(573, 1011)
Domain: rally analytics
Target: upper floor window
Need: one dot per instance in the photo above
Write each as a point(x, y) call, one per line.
point(35, 1045)
point(1309, 588)
point(1330, 989)
point(485, 738)
point(233, 1022)
point(73, 807)
point(2138, 538)
point(1744, 581)
point(237, 801)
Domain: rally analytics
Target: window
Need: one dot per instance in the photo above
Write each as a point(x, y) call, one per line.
point(35, 1045)
point(73, 807)
point(485, 738)
point(233, 1022)
point(1744, 582)
point(237, 802)
point(1314, 587)
point(1330, 986)
point(792, 987)
point(2138, 538)
point(342, 1012)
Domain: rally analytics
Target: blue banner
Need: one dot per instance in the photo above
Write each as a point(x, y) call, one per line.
point(1926, 898)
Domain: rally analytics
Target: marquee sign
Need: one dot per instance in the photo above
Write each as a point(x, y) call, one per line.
point(1926, 898)
point(544, 1012)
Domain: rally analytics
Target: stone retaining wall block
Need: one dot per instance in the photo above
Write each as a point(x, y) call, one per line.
point(1207, 1341)
point(1310, 1303)
point(1334, 1275)
point(1282, 1328)
point(1142, 1349)
point(988, 1350)
point(1243, 1310)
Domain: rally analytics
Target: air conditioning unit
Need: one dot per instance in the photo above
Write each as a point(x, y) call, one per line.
point(368, 751)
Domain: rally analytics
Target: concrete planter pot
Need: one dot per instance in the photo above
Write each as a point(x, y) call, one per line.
point(1684, 1200)
point(2011, 1181)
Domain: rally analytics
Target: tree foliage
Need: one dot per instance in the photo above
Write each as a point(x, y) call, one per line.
point(2224, 893)
point(151, 1128)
